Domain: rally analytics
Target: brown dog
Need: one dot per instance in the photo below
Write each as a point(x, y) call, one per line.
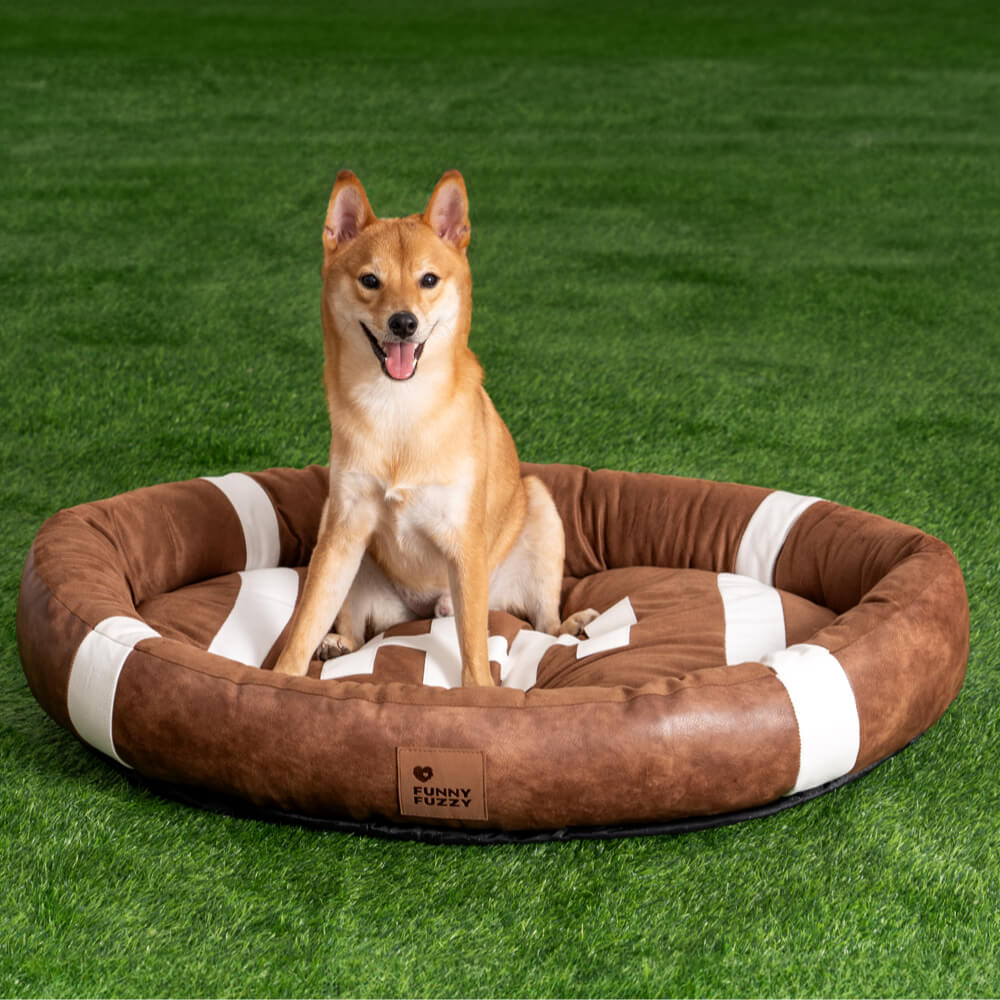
point(427, 512)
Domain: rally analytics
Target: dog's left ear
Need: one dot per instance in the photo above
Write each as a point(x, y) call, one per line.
point(447, 212)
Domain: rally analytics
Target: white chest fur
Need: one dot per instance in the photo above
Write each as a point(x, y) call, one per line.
point(417, 526)
point(430, 512)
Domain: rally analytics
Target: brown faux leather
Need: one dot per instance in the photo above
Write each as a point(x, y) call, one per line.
point(656, 730)
point(298, 501)
point(641, 519)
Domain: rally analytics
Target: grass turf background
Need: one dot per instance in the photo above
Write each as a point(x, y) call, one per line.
point(746, 242)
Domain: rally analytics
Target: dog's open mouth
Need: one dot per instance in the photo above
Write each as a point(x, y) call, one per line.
point(398, 357)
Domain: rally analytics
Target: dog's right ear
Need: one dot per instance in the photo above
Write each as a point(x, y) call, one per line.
point(348, 213)
point(447, 212)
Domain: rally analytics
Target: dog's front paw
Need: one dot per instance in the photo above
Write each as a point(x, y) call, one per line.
point(576, 623)
point(332, 646)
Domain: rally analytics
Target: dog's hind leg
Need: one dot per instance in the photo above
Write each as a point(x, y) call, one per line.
point(529, 581)
point(372, 605)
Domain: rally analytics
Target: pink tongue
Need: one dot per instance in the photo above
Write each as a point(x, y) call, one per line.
point(399, 358)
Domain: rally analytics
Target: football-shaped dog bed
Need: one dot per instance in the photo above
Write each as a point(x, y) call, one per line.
point(755, 648)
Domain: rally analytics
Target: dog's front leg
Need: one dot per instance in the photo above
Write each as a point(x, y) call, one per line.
point(340, 547)
point(469, 579)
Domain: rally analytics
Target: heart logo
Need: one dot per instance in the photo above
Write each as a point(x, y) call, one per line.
point(423, 773)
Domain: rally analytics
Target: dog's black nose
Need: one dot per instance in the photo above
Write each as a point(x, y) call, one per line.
point(403, 325)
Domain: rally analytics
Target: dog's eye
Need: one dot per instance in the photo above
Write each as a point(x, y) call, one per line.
point(429, 280)
point(370, 282)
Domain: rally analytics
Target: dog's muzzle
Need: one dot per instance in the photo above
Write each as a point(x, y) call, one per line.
point(397, 354)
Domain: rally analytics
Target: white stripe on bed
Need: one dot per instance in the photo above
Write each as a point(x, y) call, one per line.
point(609, 630)
point(754, 618)
point(825, 710)
point(93, 678)
point(360, 662)
point(766, 532)
point(257, 516)
point(442, 660)
point(518, 664)
point(262, 609)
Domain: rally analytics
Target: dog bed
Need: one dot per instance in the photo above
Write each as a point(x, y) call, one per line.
point(755, 648)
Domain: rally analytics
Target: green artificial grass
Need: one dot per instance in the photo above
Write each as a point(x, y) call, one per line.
point(744, 242)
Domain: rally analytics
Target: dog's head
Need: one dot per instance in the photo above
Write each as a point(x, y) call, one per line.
point(395, 289)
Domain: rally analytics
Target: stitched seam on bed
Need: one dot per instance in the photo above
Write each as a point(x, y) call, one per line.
point(258, 677)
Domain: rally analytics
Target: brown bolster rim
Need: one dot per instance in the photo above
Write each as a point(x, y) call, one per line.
point(758, 646)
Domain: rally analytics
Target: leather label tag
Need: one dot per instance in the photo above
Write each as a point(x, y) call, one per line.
point(441, 784)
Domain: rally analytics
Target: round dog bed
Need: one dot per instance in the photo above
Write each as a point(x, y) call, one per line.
point(755, 648)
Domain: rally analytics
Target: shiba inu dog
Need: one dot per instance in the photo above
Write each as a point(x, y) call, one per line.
point(427, 512)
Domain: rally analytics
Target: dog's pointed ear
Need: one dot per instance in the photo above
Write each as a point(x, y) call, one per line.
point(447, 212)
point(348, 213)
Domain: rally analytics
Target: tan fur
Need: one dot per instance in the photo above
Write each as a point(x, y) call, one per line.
point(427, 510)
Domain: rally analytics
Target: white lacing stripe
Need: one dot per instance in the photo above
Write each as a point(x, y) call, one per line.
point(766, 532)
point(257, 516)
point(93, 678)
point(262, 609)
point(754, 618)
point(825, 710)
point(518, 664)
